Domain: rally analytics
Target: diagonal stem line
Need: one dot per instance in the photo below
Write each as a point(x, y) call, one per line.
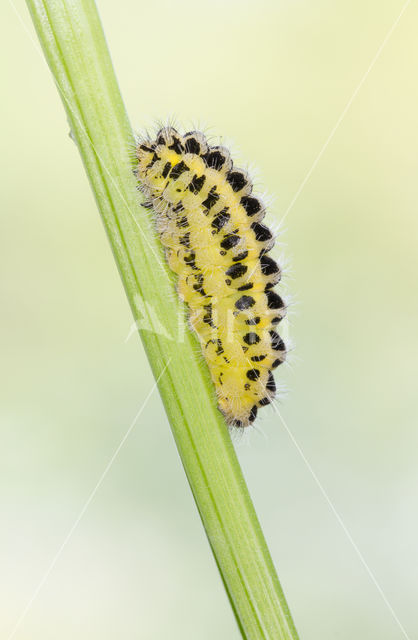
point(343, 113)
point(84, 509)
point(343, 526)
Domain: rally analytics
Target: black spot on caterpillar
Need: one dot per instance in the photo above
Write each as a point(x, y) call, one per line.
point(209, 221)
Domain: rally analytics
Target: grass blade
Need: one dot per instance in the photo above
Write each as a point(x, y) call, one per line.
point(74, 46)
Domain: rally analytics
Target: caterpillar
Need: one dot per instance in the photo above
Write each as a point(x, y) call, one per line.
point(209, 223)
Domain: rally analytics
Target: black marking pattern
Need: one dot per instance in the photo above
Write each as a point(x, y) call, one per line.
point(181, 175)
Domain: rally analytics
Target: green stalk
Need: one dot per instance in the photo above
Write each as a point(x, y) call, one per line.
point(74, 46)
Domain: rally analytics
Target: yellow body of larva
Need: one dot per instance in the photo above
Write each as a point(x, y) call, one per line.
point(209, 224)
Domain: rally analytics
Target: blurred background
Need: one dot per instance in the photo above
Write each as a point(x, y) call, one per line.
point(273, 78)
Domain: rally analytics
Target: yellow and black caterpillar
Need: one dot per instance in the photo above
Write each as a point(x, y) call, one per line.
point(210, 225)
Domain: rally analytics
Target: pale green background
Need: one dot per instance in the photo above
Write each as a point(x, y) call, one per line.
point(273, 77)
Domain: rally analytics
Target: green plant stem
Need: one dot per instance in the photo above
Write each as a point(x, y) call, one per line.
point(74, 46)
